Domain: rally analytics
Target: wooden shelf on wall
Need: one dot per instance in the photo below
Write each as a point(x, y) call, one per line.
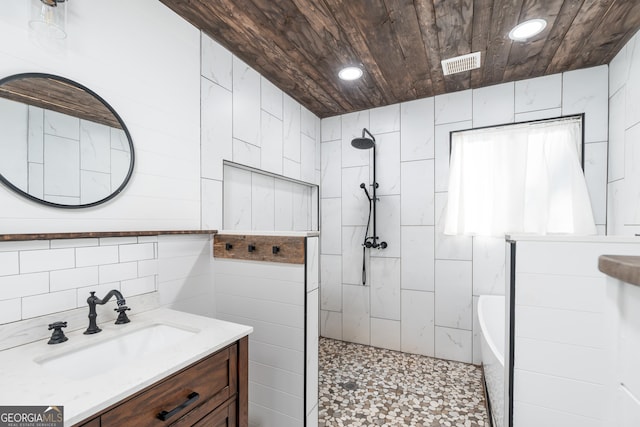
point(286, 249)
point(97, 234)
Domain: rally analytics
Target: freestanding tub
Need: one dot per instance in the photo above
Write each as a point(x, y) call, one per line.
point(491, 315)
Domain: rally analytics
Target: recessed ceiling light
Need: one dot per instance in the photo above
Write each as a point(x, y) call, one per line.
point(527, 29)
point(350, 73)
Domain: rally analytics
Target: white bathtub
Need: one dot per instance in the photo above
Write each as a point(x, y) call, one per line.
point(491, 314)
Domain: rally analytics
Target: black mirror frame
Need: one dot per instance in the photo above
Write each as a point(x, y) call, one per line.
point(115, 114)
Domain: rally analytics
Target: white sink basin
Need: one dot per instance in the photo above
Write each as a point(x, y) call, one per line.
point(111, 353)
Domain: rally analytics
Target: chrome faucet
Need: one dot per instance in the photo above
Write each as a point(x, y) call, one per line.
point(93, 300)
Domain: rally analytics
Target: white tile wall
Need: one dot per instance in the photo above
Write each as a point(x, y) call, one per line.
point(448, 270)
point(417, 129)
point(623, 176)
point(65, 285)
point(246, 119)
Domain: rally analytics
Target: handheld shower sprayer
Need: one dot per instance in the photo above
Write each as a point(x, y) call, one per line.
point(364, 187)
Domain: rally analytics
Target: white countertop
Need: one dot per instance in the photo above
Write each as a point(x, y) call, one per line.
point(25, 382)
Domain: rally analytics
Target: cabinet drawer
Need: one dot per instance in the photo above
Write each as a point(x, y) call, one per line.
point(214, 380)
point(225, 416)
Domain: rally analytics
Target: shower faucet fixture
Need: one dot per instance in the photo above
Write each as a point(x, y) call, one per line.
point(370, 242)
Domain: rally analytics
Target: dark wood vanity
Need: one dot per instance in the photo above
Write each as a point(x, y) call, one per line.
point(211, 392)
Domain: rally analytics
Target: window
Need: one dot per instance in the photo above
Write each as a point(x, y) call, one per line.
point(522, 178)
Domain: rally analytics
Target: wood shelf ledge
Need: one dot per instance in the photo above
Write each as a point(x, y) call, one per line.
point(97, 234)
point(621, 267)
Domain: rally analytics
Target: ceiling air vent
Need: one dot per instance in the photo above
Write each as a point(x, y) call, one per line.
point(461, 63)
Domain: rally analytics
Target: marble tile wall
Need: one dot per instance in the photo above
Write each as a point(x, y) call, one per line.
point(422, 290)
point(248, 120)
point(623, 202)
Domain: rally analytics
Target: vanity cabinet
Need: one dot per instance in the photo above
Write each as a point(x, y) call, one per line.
point(210, 392)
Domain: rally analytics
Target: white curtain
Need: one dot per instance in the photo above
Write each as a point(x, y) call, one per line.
point(518, 179)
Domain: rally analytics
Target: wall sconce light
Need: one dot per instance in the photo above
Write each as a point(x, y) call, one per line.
point(49, 18)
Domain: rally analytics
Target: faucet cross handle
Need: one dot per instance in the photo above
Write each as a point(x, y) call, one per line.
point(58, 336)
point(122, 315)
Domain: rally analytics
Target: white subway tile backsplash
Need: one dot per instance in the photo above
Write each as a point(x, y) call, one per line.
point(137, 252)
point(142, 285)
point(73, 278)
point(46, 260)
point(10, 310)
point(40, 305)
point(147, 267)
point(111, 241)
point(23, 285)
point(118, 272)
point(73, 243)
point(96, 255)
point(9, 263)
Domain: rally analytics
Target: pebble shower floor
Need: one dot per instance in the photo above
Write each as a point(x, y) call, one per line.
point(368, 386)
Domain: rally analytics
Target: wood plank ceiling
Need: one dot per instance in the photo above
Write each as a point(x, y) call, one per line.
point(300, 45)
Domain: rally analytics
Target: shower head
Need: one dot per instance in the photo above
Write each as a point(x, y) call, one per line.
point(364, 143)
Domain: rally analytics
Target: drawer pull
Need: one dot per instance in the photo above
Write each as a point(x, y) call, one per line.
point(164, 415)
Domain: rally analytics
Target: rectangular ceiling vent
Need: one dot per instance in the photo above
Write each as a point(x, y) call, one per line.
point(461, 63)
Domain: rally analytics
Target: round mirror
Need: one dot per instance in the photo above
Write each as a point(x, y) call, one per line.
point(60, 143)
